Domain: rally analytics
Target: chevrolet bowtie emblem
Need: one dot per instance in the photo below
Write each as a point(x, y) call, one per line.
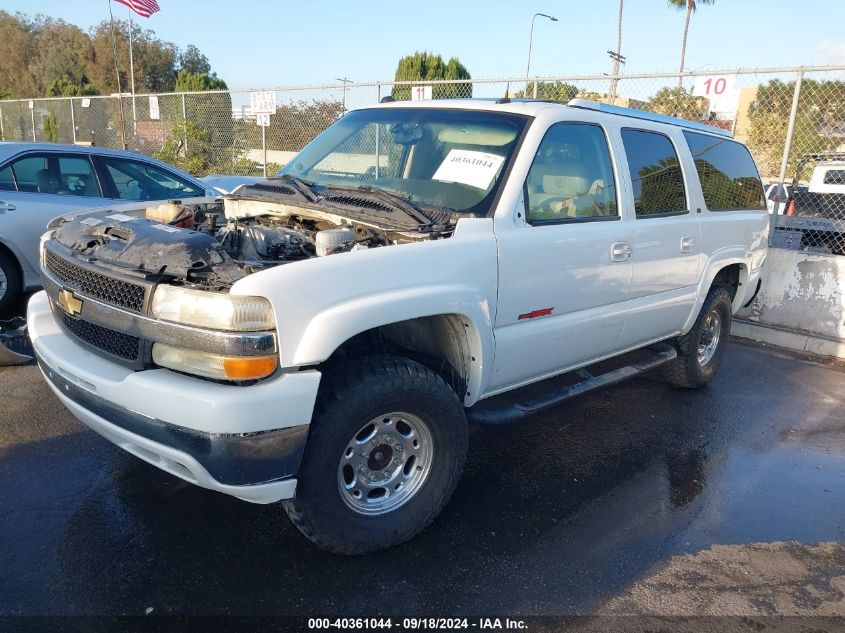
point(69, 302)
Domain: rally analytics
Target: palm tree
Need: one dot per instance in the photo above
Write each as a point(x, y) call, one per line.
point(690, 6)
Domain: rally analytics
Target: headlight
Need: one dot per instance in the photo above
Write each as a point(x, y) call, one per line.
point(44, 239)
point(213, 365)
point(212, 310)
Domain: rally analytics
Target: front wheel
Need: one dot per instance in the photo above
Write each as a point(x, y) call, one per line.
point(700, 351)
point(10, 284)
point(385, 450)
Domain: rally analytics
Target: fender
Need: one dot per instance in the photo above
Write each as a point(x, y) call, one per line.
point(328, 330)
point(321, 303)
point(718, 260)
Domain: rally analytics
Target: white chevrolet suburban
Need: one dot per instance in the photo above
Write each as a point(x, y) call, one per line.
point(323, 337)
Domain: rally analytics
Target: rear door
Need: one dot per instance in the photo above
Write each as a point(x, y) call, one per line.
point(666, 242)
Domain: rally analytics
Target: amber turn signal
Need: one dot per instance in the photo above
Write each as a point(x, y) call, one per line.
point(249, 367)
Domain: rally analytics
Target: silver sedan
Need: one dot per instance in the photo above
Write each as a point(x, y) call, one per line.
point(39, 181)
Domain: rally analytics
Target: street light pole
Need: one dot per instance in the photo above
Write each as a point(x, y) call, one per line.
point(530, 42)
point(344, 81)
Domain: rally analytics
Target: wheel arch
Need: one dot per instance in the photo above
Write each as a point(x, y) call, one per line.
point(729, 268)
point(449, 344)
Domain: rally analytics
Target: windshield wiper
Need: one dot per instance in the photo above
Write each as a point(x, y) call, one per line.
point(302, 186)
point(394, 200)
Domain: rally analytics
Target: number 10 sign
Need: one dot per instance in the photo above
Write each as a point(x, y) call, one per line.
point(720, 90)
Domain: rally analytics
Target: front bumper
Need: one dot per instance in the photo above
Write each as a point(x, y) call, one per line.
point(243, 441)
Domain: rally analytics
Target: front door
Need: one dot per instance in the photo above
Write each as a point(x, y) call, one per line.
point(37, 187)
point(564, 271)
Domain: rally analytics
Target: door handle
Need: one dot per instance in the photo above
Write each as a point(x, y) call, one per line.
point(620, 252)
point(687, 244)
point(5, 206)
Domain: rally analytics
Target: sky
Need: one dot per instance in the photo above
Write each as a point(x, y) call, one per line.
point(259, 43)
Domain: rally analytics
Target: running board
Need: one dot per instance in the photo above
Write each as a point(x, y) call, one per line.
point(513, 412)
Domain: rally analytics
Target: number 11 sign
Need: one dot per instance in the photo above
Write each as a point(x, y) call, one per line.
point(418, 93)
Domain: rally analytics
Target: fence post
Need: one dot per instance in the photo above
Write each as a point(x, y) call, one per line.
point(378, 92)
point(72, 120)
point(264, 147)
point(2, 132)
point(535, 88)
point(185, 121)
point(787, 148)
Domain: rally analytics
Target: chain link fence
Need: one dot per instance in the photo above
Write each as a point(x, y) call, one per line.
point(793, 120)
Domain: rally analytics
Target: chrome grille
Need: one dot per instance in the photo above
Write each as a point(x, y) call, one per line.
point(115, 343)
point(116, 292)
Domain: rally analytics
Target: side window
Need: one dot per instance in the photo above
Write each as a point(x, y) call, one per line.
point(655, 174)
point(729, 177)
point(76, 176)
point(140, 181)
point(7, 180)
point(834, 177)
point(56, 174)
point(571, 178)
point(26, 170)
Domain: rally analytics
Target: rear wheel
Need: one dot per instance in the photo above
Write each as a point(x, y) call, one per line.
point(385, 450)
point(10, 284)
point(700, 351)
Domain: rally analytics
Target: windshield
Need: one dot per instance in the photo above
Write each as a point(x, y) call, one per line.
point(451, 159)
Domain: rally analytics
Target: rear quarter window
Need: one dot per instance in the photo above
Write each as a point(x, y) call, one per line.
point(728, 175)
point(834, 177)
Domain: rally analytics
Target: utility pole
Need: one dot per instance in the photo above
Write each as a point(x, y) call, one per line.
point(617, 59)
point(616, 56)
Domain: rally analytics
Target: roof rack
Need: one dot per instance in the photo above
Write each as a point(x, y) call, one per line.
point(647, 116)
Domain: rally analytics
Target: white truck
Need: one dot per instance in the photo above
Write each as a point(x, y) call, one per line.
point(322, 338)
point(814, 216)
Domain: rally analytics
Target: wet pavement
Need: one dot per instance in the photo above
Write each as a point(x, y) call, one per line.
point(571, 512)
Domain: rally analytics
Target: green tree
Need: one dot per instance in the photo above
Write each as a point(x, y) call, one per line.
point(188, 147)
point(64, 87)
point(187, 81)
point(820, 115)
point(550, 91)
point(689, 6)
point(428, 66)
point(16, 51)
point(679, 102)
point(51, 128)
point(193, 61)
point(155, 60)
point(44, 56)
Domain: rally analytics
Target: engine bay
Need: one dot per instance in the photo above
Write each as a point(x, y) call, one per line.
point(212, 245)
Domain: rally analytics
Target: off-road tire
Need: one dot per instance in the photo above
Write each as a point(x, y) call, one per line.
point(349, 396)
point(686, 371)
point(13, 288)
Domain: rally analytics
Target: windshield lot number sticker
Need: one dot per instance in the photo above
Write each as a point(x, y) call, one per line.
point(467, 167)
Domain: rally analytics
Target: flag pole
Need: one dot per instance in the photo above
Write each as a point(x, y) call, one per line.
point(117, 72)
point(132, 75)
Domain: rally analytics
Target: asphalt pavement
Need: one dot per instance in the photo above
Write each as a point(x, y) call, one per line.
point(635, 499)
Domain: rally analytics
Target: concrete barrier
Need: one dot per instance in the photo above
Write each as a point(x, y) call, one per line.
point(801, 303)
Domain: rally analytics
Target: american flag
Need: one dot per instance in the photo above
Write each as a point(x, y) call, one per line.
point(144, 8)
